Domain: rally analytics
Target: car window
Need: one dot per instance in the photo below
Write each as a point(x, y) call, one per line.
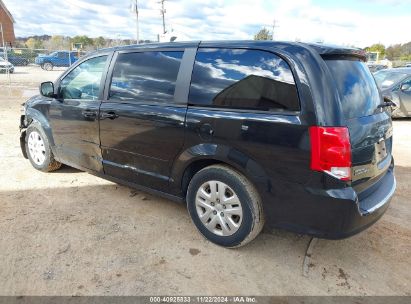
point(386, 79)
point(405, 84)
point(242, 79)
point(83, 82)
point(63, 55)
point(356, 87)
point(145, 77)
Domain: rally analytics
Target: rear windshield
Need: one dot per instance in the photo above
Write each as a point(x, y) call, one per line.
point(358, 91)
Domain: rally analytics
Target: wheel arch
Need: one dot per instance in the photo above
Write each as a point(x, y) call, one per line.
point(194, 159)
point(35, 116)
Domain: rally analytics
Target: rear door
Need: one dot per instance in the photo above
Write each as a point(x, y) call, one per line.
point(62, 59)
point(142, 120)
point(241, 103)
point(369, 125)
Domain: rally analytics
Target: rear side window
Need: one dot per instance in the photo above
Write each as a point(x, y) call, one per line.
point(356, 86)
point(242, 79)
point(145, 77)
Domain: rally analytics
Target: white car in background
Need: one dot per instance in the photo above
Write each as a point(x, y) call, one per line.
point(6, 66)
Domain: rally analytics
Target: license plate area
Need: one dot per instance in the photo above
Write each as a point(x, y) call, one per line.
point(380, 151)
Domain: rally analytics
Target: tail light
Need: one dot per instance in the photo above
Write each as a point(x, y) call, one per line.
point(331, 151)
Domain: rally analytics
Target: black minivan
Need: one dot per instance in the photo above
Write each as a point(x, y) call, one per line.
point(247, 133)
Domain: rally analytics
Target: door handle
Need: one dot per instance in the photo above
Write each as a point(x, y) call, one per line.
point(109, 115)
point(89, 114)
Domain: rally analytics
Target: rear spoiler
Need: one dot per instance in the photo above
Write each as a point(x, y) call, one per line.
point(334, 52)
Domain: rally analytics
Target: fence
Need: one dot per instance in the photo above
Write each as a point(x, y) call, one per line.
point(23, 65)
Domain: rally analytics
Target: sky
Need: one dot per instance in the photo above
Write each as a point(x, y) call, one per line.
point(359, 23)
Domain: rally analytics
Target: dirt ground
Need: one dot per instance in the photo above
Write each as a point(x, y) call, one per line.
point(70, 233)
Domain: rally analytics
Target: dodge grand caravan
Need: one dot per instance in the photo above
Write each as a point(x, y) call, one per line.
point(247, 133)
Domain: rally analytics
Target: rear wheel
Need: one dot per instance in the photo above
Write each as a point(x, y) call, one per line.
point(225, 206)
point(39, 151)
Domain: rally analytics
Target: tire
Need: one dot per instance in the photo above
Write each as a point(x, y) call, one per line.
point(245, 220)
point(48, 66)
point(38, 150)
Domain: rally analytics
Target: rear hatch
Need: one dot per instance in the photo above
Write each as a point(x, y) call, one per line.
point(370, 126)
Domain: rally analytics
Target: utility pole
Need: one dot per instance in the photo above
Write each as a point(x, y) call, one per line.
point(274, 26)
point(163, 11)
point(134, 9)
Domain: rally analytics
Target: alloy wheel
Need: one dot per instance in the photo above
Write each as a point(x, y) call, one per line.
point(37, 150)
point(219, 208)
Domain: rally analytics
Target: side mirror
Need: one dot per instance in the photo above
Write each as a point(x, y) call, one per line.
point(388, 99)
point(405, 87)
point(47, 89)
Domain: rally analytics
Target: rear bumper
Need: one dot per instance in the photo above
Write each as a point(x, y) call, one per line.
point(335, 213)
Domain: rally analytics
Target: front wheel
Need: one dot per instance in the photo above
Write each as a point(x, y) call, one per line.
point(225, 206)
point(39, 151)
point(48, 66)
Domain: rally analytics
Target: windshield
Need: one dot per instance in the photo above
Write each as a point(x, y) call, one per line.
point(385, 79)
point(359, 95)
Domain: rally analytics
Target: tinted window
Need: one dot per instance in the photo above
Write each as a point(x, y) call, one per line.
point(83, 82)
point(356, 86)
point(148, 76)
point(242, 79)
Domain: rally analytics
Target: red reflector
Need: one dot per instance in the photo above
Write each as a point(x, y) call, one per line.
point(331, 151)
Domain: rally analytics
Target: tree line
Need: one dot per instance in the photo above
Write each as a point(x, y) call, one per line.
point(59, 42)
point(392, 52)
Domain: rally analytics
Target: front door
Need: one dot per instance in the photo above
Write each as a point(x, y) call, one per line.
point(405, 95)
point(142, 120)
point(74, 115)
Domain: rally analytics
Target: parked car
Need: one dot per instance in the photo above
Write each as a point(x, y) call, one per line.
point(395, 85)
point(247, 133)
point(6, 66)
point(15, 60)
point(56, 59)
point(376, 67)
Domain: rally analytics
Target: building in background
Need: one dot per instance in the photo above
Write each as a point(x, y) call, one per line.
point(7, 20)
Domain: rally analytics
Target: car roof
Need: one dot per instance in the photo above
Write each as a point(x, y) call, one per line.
point(322, 49)
point(403, 70)
point(399, 70)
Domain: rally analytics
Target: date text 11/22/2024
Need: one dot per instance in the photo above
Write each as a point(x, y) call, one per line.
point(204, 299)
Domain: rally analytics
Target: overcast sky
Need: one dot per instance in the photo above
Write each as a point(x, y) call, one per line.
point(359, 23)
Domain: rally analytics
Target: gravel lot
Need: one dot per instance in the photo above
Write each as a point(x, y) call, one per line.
point(70, 233)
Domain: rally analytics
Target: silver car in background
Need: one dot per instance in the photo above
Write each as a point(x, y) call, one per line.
point(6, 66)
point(395, 85)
